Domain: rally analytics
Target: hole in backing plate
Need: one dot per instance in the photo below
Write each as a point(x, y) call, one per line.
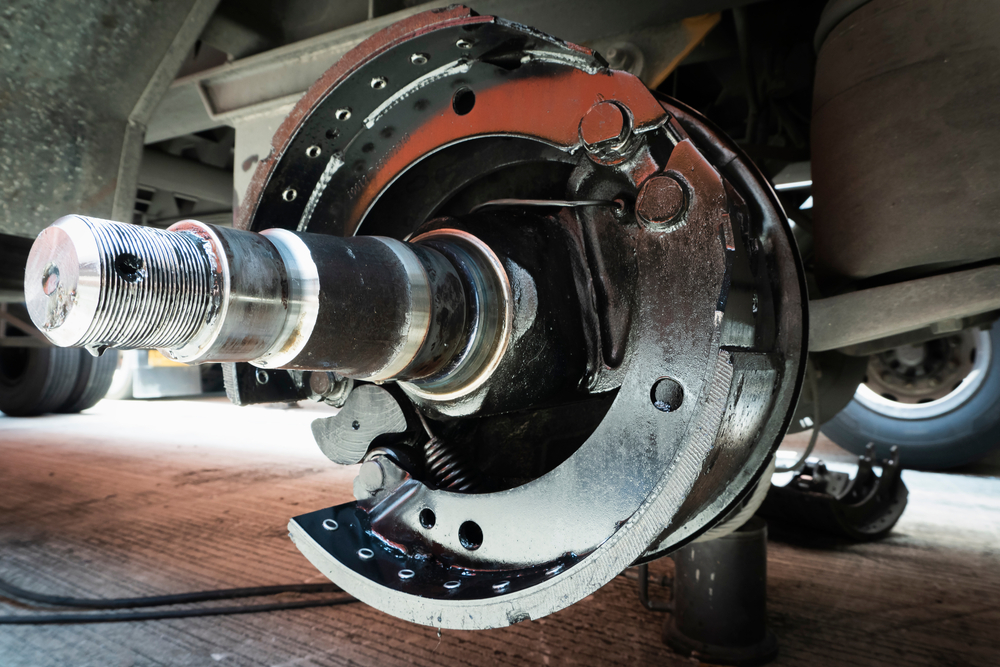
point(470, 535)
point(666, 394)
point(462, 101)
point(427, 518)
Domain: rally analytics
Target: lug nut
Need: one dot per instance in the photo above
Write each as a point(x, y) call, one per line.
point(661, 200)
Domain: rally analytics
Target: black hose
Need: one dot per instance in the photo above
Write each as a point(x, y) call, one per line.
point(69, 618)
point(9, 590)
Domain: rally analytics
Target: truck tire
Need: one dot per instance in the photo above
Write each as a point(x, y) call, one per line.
point(951, 430)
point(36, 380)
point(92, 382)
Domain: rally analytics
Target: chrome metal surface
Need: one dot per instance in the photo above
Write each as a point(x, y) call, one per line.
point(302, 299)
point(203, 293)
point(252, 300)
point(198, 292)
point(491, 334)
point(118, 284)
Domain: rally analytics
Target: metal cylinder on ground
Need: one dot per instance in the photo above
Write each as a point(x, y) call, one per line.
point(720, 599)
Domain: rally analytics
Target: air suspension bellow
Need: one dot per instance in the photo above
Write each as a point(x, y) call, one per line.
point(577, 305)
point(370, 308)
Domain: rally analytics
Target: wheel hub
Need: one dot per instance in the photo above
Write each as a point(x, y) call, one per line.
point(928, 379)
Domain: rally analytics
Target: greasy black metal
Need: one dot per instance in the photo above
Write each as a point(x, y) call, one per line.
point(545, 203)
point(661, 200)
point(446, 466)
point(244, 388)
point(354, 532)
point(864, 508)
point(552, 360)
point(763, 227)
point(885, 177)
point(364, 308)
point(720, 599)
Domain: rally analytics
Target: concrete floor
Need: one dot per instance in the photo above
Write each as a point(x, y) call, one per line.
point(138, 498)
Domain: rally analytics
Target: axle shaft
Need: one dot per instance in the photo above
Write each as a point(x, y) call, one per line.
point(434, 311)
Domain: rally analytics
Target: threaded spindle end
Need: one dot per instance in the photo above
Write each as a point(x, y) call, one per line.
point(98, 283)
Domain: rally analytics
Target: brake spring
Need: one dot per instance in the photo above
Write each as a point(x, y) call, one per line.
point(446, 467)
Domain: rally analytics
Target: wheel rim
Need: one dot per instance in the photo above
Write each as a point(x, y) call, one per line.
point(924, 399)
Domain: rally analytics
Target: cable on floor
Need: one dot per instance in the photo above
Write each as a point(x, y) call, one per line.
point(12, 591)
point(65, 618)
point(17, 593)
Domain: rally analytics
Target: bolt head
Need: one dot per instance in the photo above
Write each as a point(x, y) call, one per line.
point(605, 127)
point(320, 383)
point(661, 200)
